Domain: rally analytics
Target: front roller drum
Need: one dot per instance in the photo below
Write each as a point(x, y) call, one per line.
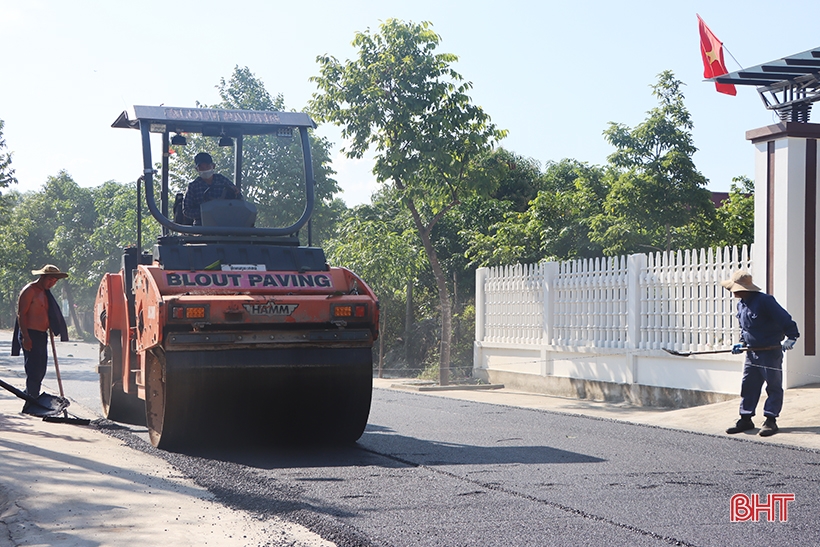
point(257, 396)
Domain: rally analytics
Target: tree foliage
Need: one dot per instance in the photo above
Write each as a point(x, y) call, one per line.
point(554, 226)
point(14, 257)
point(659, 200)
point(735, 216)
point(115, 211)
point(406, 101)
point(81, 230)
point(385, 252)
point(379, 242)
point(6, 171)
point(364, 238)
point(648, 197)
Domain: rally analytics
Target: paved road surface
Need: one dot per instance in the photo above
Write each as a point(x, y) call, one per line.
point(431, 471)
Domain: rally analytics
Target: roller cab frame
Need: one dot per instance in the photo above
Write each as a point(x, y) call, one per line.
point(227, 330)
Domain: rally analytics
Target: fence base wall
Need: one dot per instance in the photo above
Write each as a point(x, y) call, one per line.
point(638, 378)
point(594, 390)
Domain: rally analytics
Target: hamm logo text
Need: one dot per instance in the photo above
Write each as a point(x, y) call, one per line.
point(270, 308)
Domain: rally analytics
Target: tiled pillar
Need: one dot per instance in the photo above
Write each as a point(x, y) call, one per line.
point(786, 234)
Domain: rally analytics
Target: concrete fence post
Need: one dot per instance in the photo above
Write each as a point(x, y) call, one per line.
point(550, 272)
point(635, 265)
point(480, 303)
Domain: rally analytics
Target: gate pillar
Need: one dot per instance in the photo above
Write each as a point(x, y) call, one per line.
point(786, 234)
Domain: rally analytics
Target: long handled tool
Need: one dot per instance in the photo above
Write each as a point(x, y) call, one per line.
point(65, 419)
point(688, 353)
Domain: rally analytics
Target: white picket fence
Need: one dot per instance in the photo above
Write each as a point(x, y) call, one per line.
point(627, 304)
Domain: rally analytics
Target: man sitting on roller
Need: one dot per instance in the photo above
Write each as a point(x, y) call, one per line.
point(207, 186)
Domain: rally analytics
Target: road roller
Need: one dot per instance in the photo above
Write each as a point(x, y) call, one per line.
point(227, 331)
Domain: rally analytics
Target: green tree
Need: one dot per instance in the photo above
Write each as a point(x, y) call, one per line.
point(6, 171)
point(12, 248)
point(74, 219)
point(272, 170)
point(518, 179)
point(736, 215)
point(14, 256)
point(575, 193)
point(555, 225)
point(30, 229)
point(405, 100)
point(364, 237)
point(34, 217)
point(491, 228)
point(81, 230)
point(55, 226)
point(115, 211)
point(658, 200)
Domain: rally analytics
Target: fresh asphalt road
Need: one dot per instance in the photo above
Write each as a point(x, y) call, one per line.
point(433, 471)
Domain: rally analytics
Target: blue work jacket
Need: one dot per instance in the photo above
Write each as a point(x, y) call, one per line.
point(764, 322)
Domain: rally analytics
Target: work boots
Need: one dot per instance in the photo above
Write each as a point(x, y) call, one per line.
point(769, 427)
point(743, 424)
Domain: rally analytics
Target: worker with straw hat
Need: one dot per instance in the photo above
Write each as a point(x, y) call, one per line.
point(763, 326)
point(37, 312)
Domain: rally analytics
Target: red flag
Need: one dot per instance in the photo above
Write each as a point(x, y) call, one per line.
point(711, 49)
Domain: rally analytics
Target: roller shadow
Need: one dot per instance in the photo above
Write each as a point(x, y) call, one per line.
point(382, 447)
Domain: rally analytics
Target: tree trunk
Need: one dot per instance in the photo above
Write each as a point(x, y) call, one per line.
point(381, 343)
point(408, 321)
point(72, 310)
point(9, 312)
point(446, 323)
point(446, 313)
point(443, 294)
point(456, 308)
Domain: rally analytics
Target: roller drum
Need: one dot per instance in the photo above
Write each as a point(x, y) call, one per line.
point(253, 395)
point(117, 405)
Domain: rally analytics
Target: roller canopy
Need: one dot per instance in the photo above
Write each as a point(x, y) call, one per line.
point(211, 121)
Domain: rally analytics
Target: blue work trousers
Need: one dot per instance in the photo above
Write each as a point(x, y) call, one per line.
point(759, 367)
point(35, 361)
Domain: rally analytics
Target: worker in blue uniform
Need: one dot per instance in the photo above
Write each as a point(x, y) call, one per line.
point(766, 331)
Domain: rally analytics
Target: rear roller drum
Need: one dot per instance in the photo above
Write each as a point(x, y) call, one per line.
point(117, 405)
point(248, 396)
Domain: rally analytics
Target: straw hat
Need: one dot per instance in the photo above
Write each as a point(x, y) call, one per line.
point(50, 269)
point(741, 280)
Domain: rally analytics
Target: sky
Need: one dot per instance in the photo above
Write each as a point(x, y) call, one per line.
point(553, 73)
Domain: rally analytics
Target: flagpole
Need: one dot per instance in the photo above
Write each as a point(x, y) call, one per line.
point(732, 56)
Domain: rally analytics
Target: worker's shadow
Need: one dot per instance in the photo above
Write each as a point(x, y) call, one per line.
point(806, 429)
